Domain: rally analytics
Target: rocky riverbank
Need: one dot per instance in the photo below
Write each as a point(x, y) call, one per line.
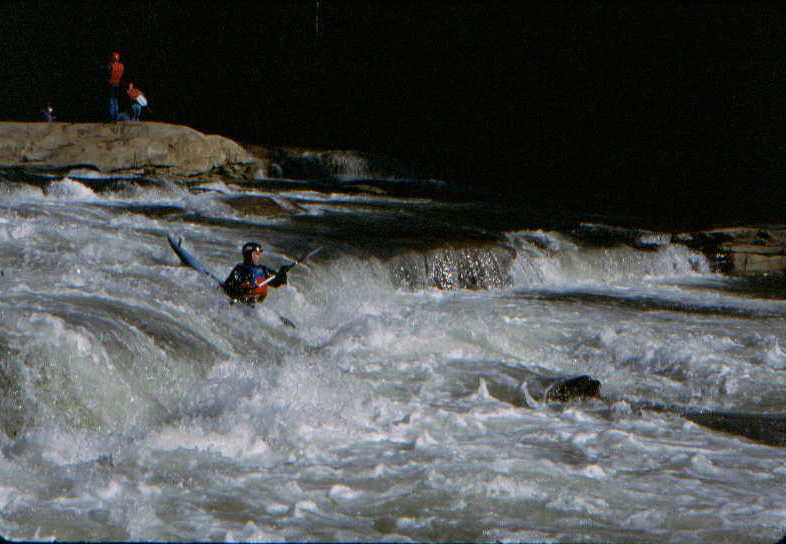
point(741, 250)
point(180, 153)
point(118, 147)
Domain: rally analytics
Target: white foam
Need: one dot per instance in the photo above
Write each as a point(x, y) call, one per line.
point(306, 507)
point(142, 393)
point(584, 505)
point(69, 189)
point(252, 533)
point(504, 487)
point(774, 356)
point(239, 442)
point(344, 493)
point(7, 495)
point(548, 259)
point(278, 509)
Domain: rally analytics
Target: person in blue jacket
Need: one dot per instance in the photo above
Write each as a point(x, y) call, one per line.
point(248, 281)
point(48, 113)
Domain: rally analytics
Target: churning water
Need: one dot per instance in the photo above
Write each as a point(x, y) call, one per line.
point(138, 404)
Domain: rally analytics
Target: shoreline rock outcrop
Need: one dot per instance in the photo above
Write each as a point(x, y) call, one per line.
point(741, 250)
point(744, 250)
point(115, 147)
point(177, 151)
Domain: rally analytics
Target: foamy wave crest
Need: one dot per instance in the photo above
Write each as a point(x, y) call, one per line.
point(69, 189)
point(550, 259)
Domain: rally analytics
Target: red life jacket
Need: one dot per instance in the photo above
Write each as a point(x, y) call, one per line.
point(115, 72)
point(250, 294)
point(259, 292)
point(134, 93)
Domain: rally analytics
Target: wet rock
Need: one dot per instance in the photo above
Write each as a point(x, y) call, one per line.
point(600, 235)
point(579, 387)
point(311, 164)
point(763, 428)
point(741, 250)
point(525, 389)
point(467, 267)
point(171, 149)
point(262, 205)
point(529, 387)
point(13, 412)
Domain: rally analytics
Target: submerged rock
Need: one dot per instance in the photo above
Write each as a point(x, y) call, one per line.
point(482, 266)
point(12, 406)
point(528, 389)
point(523, 388)
point(112, 147)
point(578, 387)
point(767, 429)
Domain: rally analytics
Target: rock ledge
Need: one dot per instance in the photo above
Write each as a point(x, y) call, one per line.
point(112, 147)
point(741, 250)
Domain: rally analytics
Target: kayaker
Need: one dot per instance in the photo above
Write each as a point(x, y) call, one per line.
point(244, 283)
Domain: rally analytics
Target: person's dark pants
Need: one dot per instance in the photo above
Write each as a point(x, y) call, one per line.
point(114, 105)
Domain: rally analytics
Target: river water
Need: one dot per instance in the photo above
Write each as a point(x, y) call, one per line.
point(138, 404)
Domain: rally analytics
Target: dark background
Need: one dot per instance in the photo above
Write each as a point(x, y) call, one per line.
point(666, 112)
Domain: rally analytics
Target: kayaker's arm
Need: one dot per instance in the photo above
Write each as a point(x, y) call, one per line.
point(279, 278)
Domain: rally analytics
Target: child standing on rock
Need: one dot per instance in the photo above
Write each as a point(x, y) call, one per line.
point(48, 113)
point(138, 101)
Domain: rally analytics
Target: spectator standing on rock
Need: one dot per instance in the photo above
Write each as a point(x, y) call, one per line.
point(138, 101)
point(115, 68)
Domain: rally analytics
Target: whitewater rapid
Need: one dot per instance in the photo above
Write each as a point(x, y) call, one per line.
point(138, 404)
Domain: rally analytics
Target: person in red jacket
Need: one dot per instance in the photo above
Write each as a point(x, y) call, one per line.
point(138, 101)
point(115, 69)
